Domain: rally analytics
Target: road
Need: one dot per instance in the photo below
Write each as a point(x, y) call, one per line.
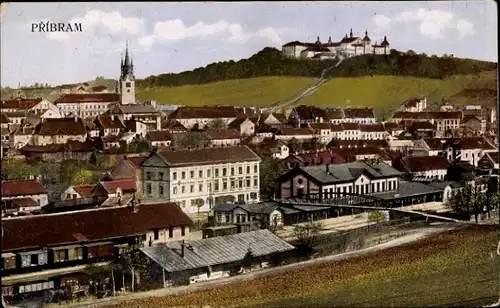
point(413, 236)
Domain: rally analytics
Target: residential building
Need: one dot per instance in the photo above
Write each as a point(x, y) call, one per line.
point(469, 149)
point(86, 105)
point(129, 167)
point(105, 190)
point(159, 138)
point(329, 181)
point(414, 104)
point(59, 131)
point(276, 149)
point(263, 214)
point(223, 137)
point(444, 120)
point(372, 131)
point(473, 123)
point(289, 133)
point(313, 159)
point(199, 178)
point(244, 126)
point(359, 115)
point(428, 147)
point(424, 168)
point(15, 189)
point(146, 114)
point(489, 161)
point(77, 192)
point(203, 116)
point(350, 131)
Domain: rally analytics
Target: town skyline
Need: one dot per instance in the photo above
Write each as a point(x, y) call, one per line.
point(216, 32)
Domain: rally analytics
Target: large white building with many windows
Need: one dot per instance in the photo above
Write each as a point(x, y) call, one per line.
point(199, 178)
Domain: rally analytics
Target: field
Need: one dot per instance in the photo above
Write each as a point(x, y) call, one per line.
point(454, 268)
point(384, 93)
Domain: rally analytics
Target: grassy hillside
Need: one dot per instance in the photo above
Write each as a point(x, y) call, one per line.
point(384, 93)
point(260, 91)
point(482, 91)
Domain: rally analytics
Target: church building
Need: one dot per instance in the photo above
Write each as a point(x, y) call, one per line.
point(126, 86)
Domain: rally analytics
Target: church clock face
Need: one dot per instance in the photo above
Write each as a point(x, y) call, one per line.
point(128, 84)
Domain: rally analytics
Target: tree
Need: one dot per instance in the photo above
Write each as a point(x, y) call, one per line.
point(270, 170)
point(18, 169)
point(135, 262)
point(217, 124)
point(305, 233)
point(190, 140)
point(82, 177)
point(248, 259)
point(106, 162)
point(139, 146)
point(294, 145)
point(376, 216)
point(470, 200)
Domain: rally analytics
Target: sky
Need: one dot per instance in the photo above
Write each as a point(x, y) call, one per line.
point(175, 37)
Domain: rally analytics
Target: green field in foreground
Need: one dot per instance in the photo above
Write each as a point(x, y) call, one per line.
point(384, 93)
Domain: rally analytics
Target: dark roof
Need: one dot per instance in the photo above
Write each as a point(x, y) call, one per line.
point(411, 102)
point(350, 126)
point(372, 127)
point(88, 98)
point(4, 118)
point(19, 103)
point(293, 131)
point(334, 114)
point(208, 156)
point(422, 125)
point(89, 225)
point(126, 185)
point(63, 126)
point(309, 112)
point(321, 158)
point(110, 122)
point(316, 49)
point(424, 163)
point(70, 146)
point(469, 143)
point(173, 125)
point(359, 113)
point(205, 112)
point(22, 188)
point(392, 126)
point(159, 135)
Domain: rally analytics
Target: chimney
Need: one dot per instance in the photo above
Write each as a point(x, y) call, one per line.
point(327, 168)
point(182, 248)
point(112, 117)
point(76, 119)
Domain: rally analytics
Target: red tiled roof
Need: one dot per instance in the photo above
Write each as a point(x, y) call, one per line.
point(89, 225)
point(350, 126)
point(372, 127)
point(208, 156)
point(20, 103)
point(126, 185)
point(424, 163)
point(289, 131)
point(318, 126)
point(88, 98)
point(84, 190)
point(137, 160)
point(334, 114)
point(159, 135)
point(63, 126)
point(205, 112)
point(22, 188)
point(323, 157)
point(23, 202)
point(392, 126)
point(336, 128)
point(359, 113)
point(109, 122)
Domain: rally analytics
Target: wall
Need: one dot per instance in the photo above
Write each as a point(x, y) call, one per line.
point(42, 199)
point(163, 236)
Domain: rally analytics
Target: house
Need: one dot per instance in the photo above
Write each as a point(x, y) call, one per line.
point(33, 189)
point(372, 131)
point(334, 116)
point(19, 104)
point(244, 126)
point(354, 177)
point(58, 152)
point(473, 123)
point(203, 116)
point(265, 131)
point(271, 148)
point(59, 131)
point(173, 126)
point(16, 117)
point(86, 105)
point(444, 120)
point(129, 167)
point(136, 128)
point(428, 147)
point(20, 206)
point(199, 178)
point(272, 118)
point(289, 133)
point(45, 109)
point(489, 161)
point(159, 138)
point(469, 149)
point(114, 188)
point(323, 130)
point(359, 115)
point(350, 131)
point(109, 125)
point(266, 213)
point(312, 159)
point(66, 242)
point(93, 129)
point(414, 104)
point(146, 114)
point(223, 137)
point(424, 168)
point(393, 129)
point(307, 114)
point(457, 170)
point(421, 129)
point(211, 258)
point(77, 192)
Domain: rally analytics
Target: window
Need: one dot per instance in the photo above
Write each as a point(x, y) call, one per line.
point(240, 170)
point(200, 187)
point(378, 187)
point(216, 186)
point(240, 183)
point(174, 176)
point(248, 183)
point(160, 175)
point(191, 188)
point(128, 84)
point(175, 190)
point(216, 172)
point(34, 259)
point(183, 175)
point(183, 189)
point(191, 174)
point(200, 173)
point(255, 169)
point(183, 231)
point(224, 172)
point(148, 176)
point(232, 184)
point(224, 185)
point(248, 169)
point(157, 235)
point(170, 232)
point(255, 182)
point(160, 190)
point(148, 189)
point(232, 171)
point(383, 186)
point(208, 173)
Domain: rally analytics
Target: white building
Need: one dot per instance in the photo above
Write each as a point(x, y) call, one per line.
point(347, 46)
point(414, 105)
point(197, 179)
point(204, 116)
point(86, 105)
point(127, 80)
point(425, 167)
point(23, 189)
point(469, 149)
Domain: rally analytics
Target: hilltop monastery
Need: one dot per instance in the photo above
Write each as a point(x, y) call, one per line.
point(349, 46)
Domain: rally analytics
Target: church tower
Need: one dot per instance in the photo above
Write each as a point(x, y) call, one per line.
point(127, 80)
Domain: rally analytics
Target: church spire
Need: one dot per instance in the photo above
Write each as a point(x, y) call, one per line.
point(351, 32)
point(127, 60)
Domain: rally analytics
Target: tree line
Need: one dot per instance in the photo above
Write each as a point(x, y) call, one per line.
point(271, 62)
